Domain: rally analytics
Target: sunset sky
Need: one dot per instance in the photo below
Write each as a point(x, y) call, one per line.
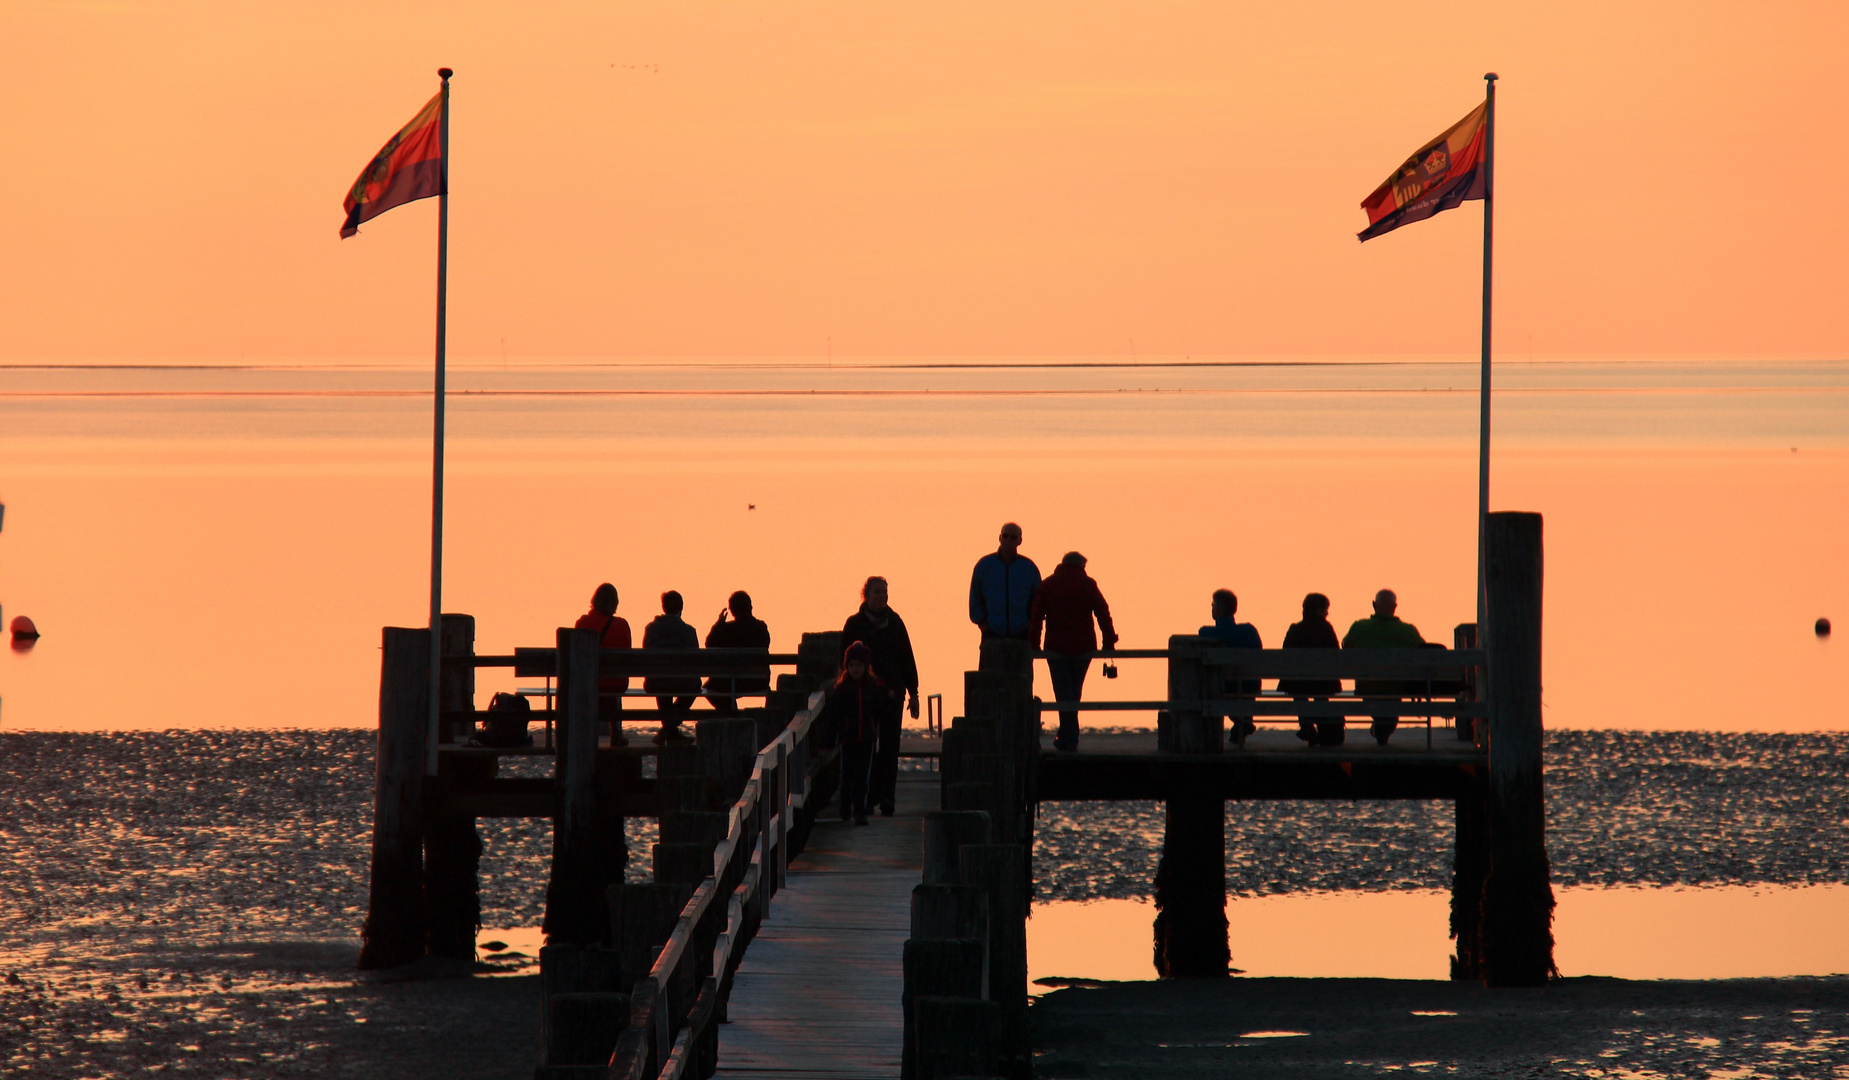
point(781, 179)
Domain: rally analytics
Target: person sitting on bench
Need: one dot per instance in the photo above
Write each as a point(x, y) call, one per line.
point(1234, 635)
point(1314, 632)
point(1382, 630)
point(674, 694)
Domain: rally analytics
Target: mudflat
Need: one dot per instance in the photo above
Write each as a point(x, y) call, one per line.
point(1311, 1028)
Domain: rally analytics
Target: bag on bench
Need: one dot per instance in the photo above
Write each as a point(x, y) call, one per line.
point(506, 725)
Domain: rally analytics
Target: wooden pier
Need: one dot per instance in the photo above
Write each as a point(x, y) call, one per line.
point(899, 949)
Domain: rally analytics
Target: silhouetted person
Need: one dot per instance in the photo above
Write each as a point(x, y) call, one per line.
point(1382, 630)
point(1314, 632)
point(857, 705)
point(1001, 590)
point(880, 629)
point(742, 631)
point(1234, 635)
point(674, 694)
point(1064, 606)
point(613, 633)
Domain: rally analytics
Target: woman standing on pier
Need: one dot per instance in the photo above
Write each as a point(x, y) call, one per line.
point(1064, 607)
point(856, 705)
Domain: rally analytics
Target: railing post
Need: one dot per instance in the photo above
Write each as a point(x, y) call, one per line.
point(1191, 729)
point(1518, 899)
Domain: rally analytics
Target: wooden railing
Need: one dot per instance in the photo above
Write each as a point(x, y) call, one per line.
point(676, 1008)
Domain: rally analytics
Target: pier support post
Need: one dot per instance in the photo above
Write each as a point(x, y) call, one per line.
point(394, 931)
point(452, 847)
point(1001, 870)
point(1518, 899)
point(1469, 866)
point(588, 847)
point(1190, 931)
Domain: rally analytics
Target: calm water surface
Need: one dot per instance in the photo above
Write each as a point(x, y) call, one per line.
point(219, 547)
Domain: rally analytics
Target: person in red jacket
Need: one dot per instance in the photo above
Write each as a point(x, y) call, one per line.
point(1064, 607)
point(613, 633)
point(857, 704)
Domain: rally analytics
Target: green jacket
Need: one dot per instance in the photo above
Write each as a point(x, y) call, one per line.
point(1382, 632)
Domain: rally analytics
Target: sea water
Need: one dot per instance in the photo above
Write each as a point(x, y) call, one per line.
point(214, 550)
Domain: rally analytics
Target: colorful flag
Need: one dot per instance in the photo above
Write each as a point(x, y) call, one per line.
point(1446, 171)
point(409, 167)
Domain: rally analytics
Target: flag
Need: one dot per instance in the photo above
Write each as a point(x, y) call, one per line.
point(407, 168)
point(1445, 172)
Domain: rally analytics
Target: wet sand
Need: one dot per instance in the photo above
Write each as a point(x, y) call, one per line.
point(243, 1011)
point(1586, 1027)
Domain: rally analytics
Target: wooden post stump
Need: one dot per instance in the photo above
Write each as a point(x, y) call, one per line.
point(394, 930)
point(1190, 930)
point(946, 833)
point(642, 917)
point(1518, 898)
point(940, 968)
point(728, 749)
point(956, 1037)
point(1001, 870)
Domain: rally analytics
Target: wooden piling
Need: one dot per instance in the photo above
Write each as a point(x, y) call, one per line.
point(642, 918)
point(956, 1037)
point(452, 846)
point(589, 851)
point(945, 834)
point(1001, 871)
point(1190, 929)
point(1469, 866)
point(935, 968)
point(1518, 899)
point(394, 930)
point(728, 751)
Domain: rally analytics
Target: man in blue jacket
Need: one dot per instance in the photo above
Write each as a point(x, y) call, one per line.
point(1002, 589)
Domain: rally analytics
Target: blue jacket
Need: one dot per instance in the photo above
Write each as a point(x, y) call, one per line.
point(1236, 635)
point(1001, 594)
point(1233, 635)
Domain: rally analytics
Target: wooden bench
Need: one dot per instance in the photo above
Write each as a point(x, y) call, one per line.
point(1204, 676)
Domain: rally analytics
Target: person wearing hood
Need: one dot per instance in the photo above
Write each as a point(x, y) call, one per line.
point(612, 633)
point(1063, 610)
point(879, 628)
point(1233, 634)
point(674, 694)
point(857, 704)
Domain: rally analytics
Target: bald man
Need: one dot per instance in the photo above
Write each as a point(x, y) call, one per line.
point(1382, 630)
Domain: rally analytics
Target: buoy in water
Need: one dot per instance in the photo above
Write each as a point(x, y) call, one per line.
point(1823, 628)
point(23, 628)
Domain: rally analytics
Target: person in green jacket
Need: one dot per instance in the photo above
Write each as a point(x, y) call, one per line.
point(1382, 630)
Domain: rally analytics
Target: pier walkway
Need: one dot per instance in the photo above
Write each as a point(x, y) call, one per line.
point(817, 995)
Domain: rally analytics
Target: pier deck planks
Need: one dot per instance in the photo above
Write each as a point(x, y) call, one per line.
point(817, 996)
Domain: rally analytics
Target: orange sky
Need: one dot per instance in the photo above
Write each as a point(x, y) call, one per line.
point(751, 178)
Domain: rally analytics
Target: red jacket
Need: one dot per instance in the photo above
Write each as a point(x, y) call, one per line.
point(1065, 604)
point(615, 636)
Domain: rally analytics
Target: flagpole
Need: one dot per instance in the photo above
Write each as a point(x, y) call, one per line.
point(436, 471)
point(1489, 219)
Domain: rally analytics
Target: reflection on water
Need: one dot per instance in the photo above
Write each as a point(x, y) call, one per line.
point(1718, 932)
